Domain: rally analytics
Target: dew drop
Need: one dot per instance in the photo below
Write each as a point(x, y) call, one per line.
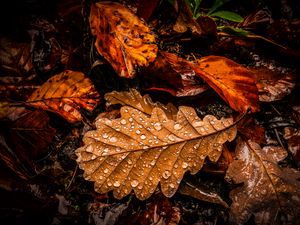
point(113, 139)
point(143, 137)
point(140, 187)
point(130, 119)
point(129, 162)
point(171, 137)
point(177, 126)
point(89, 148)
point(117, 184)
point(123, 122)
point(93, 157)
point(184, 165)
point(137, 131)
point(105, 135)
point(157, 126)
point(166, 174)
point(105, 171)
point(172, 186)
point(109, 184)
point(152, 163)
point(134, 183)
point(197, 123)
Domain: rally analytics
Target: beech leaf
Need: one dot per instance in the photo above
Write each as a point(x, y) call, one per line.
point(233, 82)
point(122, 38)
point(269, 191)
point(137, 151)
point(64, 94)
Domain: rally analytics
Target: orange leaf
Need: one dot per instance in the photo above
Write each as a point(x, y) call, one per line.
point(123, 39)
point(64, 94)
point(233, 82)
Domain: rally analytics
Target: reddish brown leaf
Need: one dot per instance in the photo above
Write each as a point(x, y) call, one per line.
point(174, 76)
point(64, 94)
point(270, 192)
point(251, 130)
point(145, 8)
point(27, 140)
point(123, 39)
point(273, 85)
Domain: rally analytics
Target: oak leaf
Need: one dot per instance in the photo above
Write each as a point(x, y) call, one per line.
point(137, 151)
point(144, 103)
point(269, 191)
point(64, 94)
point(233, 82)
point(123, 39)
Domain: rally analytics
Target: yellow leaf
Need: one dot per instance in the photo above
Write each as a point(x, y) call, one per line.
point(64, 94)
point(138, 151)
point(123, 39)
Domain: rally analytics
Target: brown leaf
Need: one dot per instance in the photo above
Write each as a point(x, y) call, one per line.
point(137, 151)
point(174, 76)
point(64, 94)
point(272, 85)
point(233, 82)
point(200, 193)
point(144, 103)
point(185, 20)
point(25, 141)
point(268, 189)
point(292, 135)
point(252, 130)
point(146, 8)
point(123, 39)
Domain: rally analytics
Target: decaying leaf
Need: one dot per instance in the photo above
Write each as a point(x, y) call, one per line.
point(137, 151)
point(144, 103)
point(233, 82)
point(269, 190)
point(273, 85)
point(123, 39)
point(64, 94)
point(292, 135)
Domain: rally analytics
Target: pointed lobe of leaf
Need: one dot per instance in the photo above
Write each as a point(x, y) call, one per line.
point(268, 190)
point(64, 94)
point(138, 151)
point(134, 99)
point(123, 39)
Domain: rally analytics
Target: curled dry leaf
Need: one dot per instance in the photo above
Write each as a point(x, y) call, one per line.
point(233, 82)
point(273, 86)
point(137, 151)
point(269, 191)
point(123, 39)
point(144, 103)
point(64, 94)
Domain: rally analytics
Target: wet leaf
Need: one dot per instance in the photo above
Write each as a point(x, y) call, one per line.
point(233, 82)
point(268, 190)
point(201, 194)
point(134, 99)
point(272, 85)
point(123, 39)
point(137, 151)
point(228, 15)
point(146, 8)
point(292, 135)
point(64, 94)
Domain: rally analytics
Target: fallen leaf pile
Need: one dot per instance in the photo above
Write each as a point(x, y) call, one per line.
point(138, 151)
